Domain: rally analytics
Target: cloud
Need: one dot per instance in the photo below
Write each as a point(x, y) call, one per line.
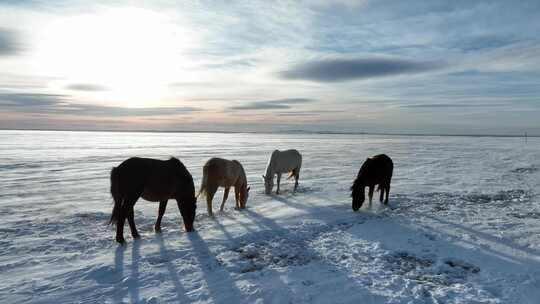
point(482, 42)
point(8, 42)
point(307, 113)
point(336, 70)
point(272, 104)
point(28, 99)
point(60, 104)
point(454, 105)
point(86, 87)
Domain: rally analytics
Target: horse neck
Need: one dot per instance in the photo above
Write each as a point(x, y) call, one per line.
point(186, 180)
point(270, 167)
point(242, 179)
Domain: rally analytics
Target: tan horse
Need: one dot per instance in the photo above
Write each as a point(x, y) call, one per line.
point(219, 172)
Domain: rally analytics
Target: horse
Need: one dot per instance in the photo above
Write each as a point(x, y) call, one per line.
point(219, 172)
point(282, 162)
point(376, 170)
point(153, 180)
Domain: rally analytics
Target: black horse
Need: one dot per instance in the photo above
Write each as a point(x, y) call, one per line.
point(155, 181)
point(376, 170)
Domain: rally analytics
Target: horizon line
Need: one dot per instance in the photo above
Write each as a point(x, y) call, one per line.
point(292, 131)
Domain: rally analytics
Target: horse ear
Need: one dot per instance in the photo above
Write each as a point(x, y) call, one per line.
point(248, 188)
point(264, 177)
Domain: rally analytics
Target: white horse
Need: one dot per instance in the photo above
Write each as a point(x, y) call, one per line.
point(282, 162)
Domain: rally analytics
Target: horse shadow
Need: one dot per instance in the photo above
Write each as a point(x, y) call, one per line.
point(213, 274)
point(488, 237)
point(265, 223)
point(173, 273)
point(133, 278)
point(334, 204)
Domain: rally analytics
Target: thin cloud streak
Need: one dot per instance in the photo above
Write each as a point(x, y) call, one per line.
point(9, 44)
point(455, 105)
point(60, 104)
point(88, 87)
point(272, 104)
point(337, 70)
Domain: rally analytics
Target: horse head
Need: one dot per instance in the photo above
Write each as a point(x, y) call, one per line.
point(244, 195)
point(358, 195)
point(268, 184)
point(187, 209)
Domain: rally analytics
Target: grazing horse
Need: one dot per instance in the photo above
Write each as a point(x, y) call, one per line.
point(282, 162)
point(376, 170)
point(155, 181)
point(219, 172)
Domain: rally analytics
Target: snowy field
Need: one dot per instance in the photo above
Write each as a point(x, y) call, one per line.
point(463, 224)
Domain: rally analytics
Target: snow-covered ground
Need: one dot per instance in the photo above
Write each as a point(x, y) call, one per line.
point(463, 227)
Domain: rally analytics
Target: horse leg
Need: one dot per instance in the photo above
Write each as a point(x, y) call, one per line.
point(278, 180)
point(296, 177)
point(371, 188)
point(120, 227)
point(162, 207)
point(210, 192)
point(225, 196)
point(237, 197)
point(387, 193)
point(126, 209)
point(131, 221)
point(381, 190)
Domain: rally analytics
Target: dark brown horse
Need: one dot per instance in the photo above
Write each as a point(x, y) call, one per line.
point(155, 181)
point(376, 170)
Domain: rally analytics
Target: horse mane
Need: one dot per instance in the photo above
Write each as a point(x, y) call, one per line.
point(268, 169)
point(359, 180)
point(242, 172)
point(355, 186)
point(181, 170)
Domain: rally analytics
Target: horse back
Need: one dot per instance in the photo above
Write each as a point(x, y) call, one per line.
point(285, 161)
point(377, 169)
point(156, 179)
point(222, 172)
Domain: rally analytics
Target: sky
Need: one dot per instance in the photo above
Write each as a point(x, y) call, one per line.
point(426, 67)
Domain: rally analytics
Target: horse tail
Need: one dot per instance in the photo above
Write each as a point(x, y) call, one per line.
point(117, 197)
point(204, 182)
point(296, 171)
point(292, 174)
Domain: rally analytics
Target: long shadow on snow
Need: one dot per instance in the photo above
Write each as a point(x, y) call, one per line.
point(133, 282)
point(214, 276)
point(493, 239)
point(502, 197)
point(311, 209)
point(460, 273)
point(268, 224)
point(173, 273)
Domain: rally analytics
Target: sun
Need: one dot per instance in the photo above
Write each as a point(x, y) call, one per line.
point(133, 53)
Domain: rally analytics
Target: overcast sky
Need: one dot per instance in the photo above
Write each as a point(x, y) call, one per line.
point(451, 67)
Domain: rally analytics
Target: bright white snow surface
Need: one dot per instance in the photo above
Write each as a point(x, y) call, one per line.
point(463, 224)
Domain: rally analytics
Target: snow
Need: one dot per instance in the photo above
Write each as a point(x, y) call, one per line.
point(463, 224)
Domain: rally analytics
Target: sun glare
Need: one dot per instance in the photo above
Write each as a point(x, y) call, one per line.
point(133, 53)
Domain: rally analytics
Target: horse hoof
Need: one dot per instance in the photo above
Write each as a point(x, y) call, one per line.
point(120, 241)
point(157, 230)
point(136, 236)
